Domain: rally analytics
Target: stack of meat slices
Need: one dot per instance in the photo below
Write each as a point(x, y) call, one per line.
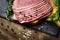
point(27, 11)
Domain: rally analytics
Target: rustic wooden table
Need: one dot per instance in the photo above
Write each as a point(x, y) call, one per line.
point(14, 31)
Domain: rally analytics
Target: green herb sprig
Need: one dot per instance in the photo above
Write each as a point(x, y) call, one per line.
point(9, 8)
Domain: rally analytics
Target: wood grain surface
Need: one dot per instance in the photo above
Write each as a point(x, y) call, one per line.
point(19, 32)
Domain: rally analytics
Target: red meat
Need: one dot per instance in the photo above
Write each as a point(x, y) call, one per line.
point(29, 10)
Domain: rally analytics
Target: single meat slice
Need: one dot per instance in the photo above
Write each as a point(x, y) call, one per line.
point(29, 10)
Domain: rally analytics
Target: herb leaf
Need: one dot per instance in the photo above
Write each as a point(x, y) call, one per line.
point(9, 8)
